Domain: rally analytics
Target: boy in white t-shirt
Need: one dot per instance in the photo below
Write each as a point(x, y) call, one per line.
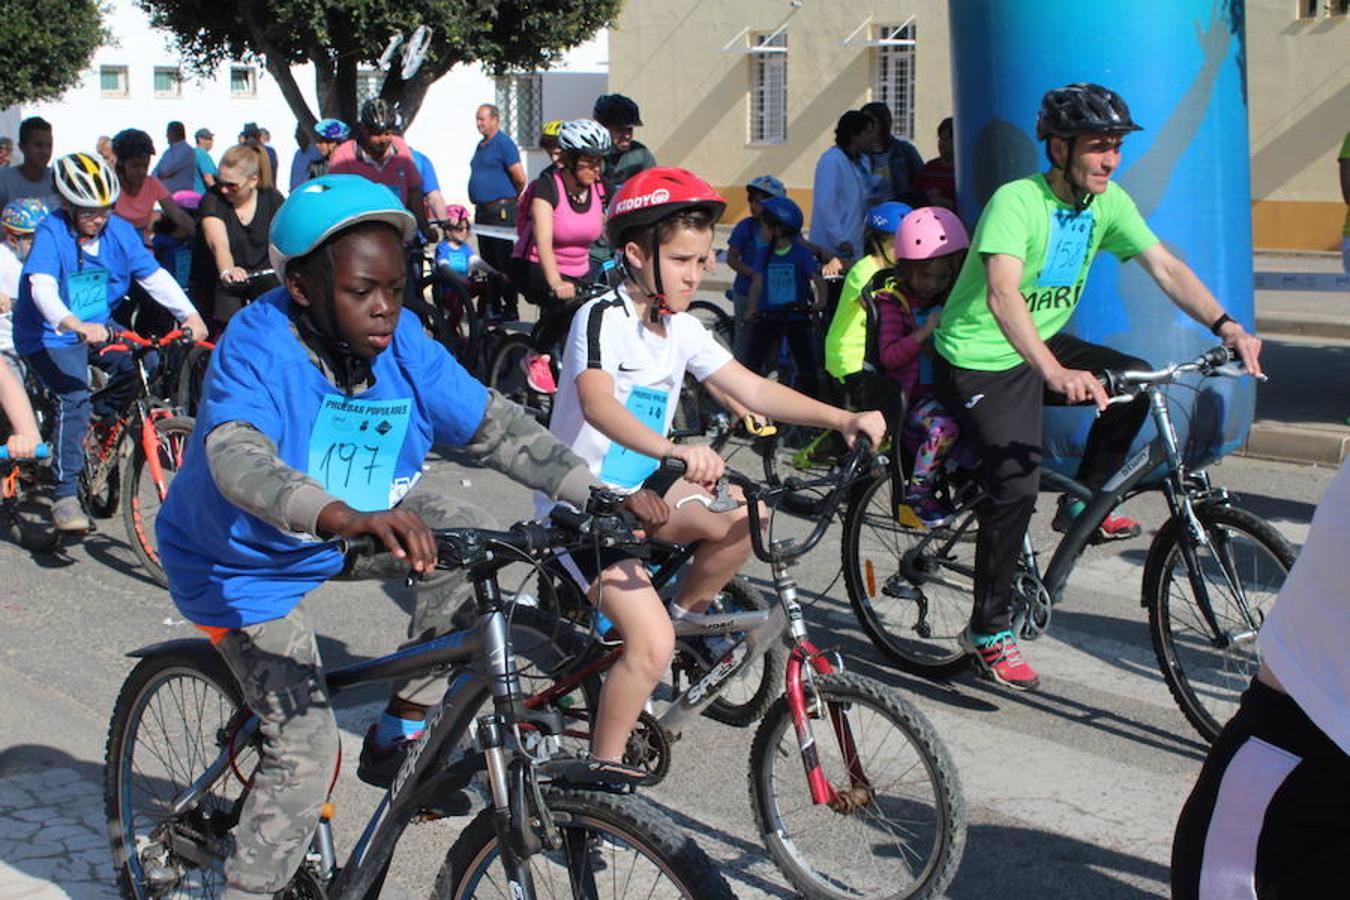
point(625, 359)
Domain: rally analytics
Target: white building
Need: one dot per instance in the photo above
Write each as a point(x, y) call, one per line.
point(138, 80)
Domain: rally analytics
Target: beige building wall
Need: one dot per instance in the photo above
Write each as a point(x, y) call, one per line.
point(695, 95)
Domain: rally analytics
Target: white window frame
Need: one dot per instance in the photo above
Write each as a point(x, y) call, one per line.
point(125, 78)
point(894, 52)
point(250, 75)
point(176, 77)
point(520, 100)
point(369, 83)
point(768, 119)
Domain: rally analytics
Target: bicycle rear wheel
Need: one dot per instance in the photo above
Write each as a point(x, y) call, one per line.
point(611, 846)
point(717, 320)
point(898, 828)
point(743, 699)
point(911, 589)
point(176, 713)
point(1242, 565)
point(143, 501)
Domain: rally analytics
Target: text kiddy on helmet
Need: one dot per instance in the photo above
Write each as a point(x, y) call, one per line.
point(655, 198)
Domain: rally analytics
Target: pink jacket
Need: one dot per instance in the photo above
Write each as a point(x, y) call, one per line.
point(898, 349)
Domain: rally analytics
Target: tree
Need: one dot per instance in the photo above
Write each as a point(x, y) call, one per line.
point(46, 46)
point(338, 36)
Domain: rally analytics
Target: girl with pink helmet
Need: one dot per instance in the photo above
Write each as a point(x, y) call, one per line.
point(930, 246)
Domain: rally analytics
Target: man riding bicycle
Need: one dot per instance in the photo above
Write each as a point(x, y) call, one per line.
point(1002, 353)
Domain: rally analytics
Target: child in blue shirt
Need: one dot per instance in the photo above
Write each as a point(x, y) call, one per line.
point(787, 287)
point(79, 270)
point(319, 409)
point(744, 248)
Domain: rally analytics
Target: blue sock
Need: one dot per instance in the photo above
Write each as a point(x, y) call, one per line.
point(391, 728)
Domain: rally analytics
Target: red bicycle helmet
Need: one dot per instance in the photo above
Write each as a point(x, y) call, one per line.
point(656, 194)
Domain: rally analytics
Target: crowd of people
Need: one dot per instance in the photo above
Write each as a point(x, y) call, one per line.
point(889, 297)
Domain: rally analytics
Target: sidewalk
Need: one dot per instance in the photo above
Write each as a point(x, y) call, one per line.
point(1303, 411)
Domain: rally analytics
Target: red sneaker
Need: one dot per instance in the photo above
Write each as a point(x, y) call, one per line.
point(538, 375)
point(1113, 527)
point(999, 659)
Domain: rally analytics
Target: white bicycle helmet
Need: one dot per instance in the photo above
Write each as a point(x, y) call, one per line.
point(86, 181)
point(584, 136)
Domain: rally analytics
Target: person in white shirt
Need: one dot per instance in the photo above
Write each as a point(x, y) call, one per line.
point(1270, 813)
point(841, 188)
point(625, 359)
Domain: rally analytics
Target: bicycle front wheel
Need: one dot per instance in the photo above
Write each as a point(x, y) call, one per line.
point(1240, 567)
point(910, 588)
point(143, 499)
point(176, 714)
point(897, 827)
point(611, 846)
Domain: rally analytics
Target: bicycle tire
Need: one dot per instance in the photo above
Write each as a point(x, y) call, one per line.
point(717, 320)
point(102, 504)
point(1206, 681)
point(191, 376)
point(673, 858)
point(141, 505)
point(192, 679)
point(893, 611)
point(555, 650)
point(506, 376)
point(861, 863)
point(744, 699)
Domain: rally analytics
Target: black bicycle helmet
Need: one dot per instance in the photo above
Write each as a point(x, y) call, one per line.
point(379, 116)
point(1083, 108)
point(616, 111)
point(130, 143)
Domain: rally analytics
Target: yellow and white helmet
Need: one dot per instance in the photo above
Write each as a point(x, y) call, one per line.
point(86, 181)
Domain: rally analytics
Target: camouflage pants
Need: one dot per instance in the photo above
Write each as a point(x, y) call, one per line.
point(278, 666)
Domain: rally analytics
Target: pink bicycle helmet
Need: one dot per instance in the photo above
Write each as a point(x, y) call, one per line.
point(189, 200)
point(456, 213)
point(930, 232)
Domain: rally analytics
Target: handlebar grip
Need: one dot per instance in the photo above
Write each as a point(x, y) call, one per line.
point(361, 545)
point(1217, 356)
point(43, 451)
point(674, 465)
point(569, 519)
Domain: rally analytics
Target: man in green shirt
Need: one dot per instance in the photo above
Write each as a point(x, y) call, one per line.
point(1002, 354)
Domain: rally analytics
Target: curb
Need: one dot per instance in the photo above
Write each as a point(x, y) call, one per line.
point(1276, 324)
point(1296, 444)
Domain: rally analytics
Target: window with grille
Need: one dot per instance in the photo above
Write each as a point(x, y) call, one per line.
point(893, 76)
point(243, 81)
point(112, 81)
point(520, 99)
point(368, 84)
point(168, 81)
point(768, 88)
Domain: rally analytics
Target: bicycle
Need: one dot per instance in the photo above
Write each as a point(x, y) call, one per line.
point(170, 808)
point(25, 517)
point(911, 587)
point(136, 451)
point(863, 789)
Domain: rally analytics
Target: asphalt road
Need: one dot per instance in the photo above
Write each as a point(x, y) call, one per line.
point(1071, 791)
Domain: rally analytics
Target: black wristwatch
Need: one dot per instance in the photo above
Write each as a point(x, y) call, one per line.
point(1219, 323)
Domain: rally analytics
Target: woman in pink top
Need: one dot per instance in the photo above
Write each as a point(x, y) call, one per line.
point(141, 190)
point(566, 214)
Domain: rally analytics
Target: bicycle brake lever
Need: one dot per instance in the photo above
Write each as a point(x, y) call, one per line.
point(721, 501)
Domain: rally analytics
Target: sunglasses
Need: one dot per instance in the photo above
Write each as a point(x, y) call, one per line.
point(233, 185)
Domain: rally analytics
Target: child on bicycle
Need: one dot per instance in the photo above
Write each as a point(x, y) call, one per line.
point(459, 266)
point(247, 530)
point(626, 357)
point(785, 290)
point(78, 273)
point(20, 219)
point(929, 249)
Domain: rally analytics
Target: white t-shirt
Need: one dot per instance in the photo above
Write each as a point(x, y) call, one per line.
point(1304, 639)
point(10, 267)
point(648, 371)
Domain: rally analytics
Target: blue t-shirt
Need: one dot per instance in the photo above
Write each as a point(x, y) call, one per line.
point(787, 276)
point(457, 258)
point(488, 179)
point(205, 166)
point(748, 239)
point(92, 286)
point(428, 172)
point(228, 568)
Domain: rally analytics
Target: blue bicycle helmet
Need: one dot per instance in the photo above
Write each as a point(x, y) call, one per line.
point(331, 129)
point(785, 212)
point(319, 209)
point(885, 217)
point(767, 184)
point(22, 216)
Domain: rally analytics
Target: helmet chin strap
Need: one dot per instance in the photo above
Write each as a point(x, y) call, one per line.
point(656, 299)
point(348, 368)
point(1082, 198)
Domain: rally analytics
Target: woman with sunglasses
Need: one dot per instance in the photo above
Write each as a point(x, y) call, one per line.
point(235, 217)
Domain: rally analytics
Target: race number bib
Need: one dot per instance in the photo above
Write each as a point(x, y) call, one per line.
point(354, 448)
point(628, 468)
point(1067, 249)
point(87, 294)
point(780, 284)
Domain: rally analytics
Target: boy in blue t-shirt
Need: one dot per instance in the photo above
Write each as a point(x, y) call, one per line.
point(284, 458)
point(78, 272)
point(787, 287)
point(744, 247)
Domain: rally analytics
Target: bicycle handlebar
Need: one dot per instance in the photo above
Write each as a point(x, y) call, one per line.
point(1125, 385)
point(131, 342)
point(43, 451)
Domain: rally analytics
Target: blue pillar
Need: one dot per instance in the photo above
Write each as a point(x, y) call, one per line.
point(1181, 67)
